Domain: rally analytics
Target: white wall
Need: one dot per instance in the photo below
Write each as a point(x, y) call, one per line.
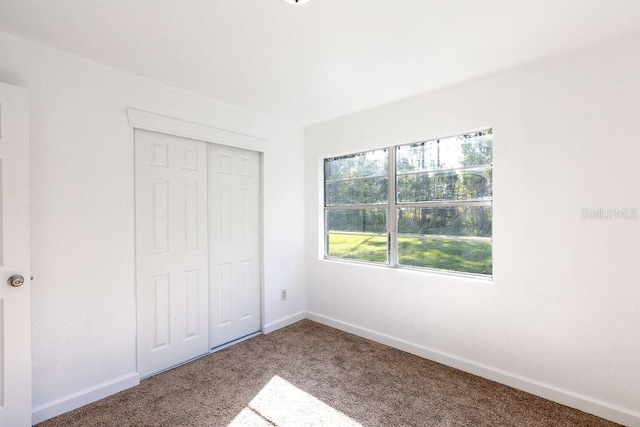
point(83, 221)
point(561, 316)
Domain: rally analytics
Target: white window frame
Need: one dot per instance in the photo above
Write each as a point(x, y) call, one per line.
point(392, 205)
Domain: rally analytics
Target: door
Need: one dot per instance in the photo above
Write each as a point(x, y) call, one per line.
point(171, 249)
point(15, 297)
point(235, 256)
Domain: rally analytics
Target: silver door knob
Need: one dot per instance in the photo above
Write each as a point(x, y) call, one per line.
point(15, 280)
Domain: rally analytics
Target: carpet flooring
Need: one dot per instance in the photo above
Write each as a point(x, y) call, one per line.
point(308, 374)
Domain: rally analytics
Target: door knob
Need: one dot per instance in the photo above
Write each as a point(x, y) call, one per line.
point(15, 280)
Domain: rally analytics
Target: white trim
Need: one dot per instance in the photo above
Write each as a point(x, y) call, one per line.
point(285, 321)
point(140, 119)
point(84, 397)
point(587, 404)
point(584, 403)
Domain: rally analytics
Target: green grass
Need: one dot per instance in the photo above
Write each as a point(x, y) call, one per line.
point(454, 255)
point(362, 248)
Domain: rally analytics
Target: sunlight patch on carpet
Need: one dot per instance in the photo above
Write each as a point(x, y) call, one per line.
point(282, 404)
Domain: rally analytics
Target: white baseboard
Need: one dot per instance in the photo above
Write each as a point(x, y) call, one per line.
point(281, 323)
point(100, 391)
point(587, 404)
point(84, 397)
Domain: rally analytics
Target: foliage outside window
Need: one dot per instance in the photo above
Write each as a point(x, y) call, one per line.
point(421, 205)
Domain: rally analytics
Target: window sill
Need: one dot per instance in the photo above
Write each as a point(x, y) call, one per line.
point(429, 271)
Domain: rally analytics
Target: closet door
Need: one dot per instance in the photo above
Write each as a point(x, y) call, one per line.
point(235, 257)
point(171, 250)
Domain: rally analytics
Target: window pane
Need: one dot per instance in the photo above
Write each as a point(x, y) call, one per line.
point(360, 165)
point(356, 192)
point(466, 256)
point(358, 234)
point(360, 247)
point(357, 220)
point(447, 153)
point(469, 184)
point(472, 221)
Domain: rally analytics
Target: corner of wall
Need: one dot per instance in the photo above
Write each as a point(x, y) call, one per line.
point(285, 321)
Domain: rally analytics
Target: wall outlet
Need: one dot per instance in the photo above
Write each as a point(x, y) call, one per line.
point(283, 294)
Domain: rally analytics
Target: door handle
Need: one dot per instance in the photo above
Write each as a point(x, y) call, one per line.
point(16, 280)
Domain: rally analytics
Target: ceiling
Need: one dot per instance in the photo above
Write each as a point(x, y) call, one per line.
point(325, 59)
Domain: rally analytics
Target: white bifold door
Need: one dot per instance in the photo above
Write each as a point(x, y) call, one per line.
point(194, 266)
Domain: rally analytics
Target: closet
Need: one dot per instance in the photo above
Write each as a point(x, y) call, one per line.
point(198, 247)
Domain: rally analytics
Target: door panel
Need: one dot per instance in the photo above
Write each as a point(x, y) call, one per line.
point(171, 250)
point(235, 261)
point(15, 302)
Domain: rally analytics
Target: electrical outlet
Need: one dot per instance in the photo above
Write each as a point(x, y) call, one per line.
point(283, 294)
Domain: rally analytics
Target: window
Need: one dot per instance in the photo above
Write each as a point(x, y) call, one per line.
point(422, 205)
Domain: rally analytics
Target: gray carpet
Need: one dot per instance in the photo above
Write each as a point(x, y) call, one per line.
point(308, 374)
